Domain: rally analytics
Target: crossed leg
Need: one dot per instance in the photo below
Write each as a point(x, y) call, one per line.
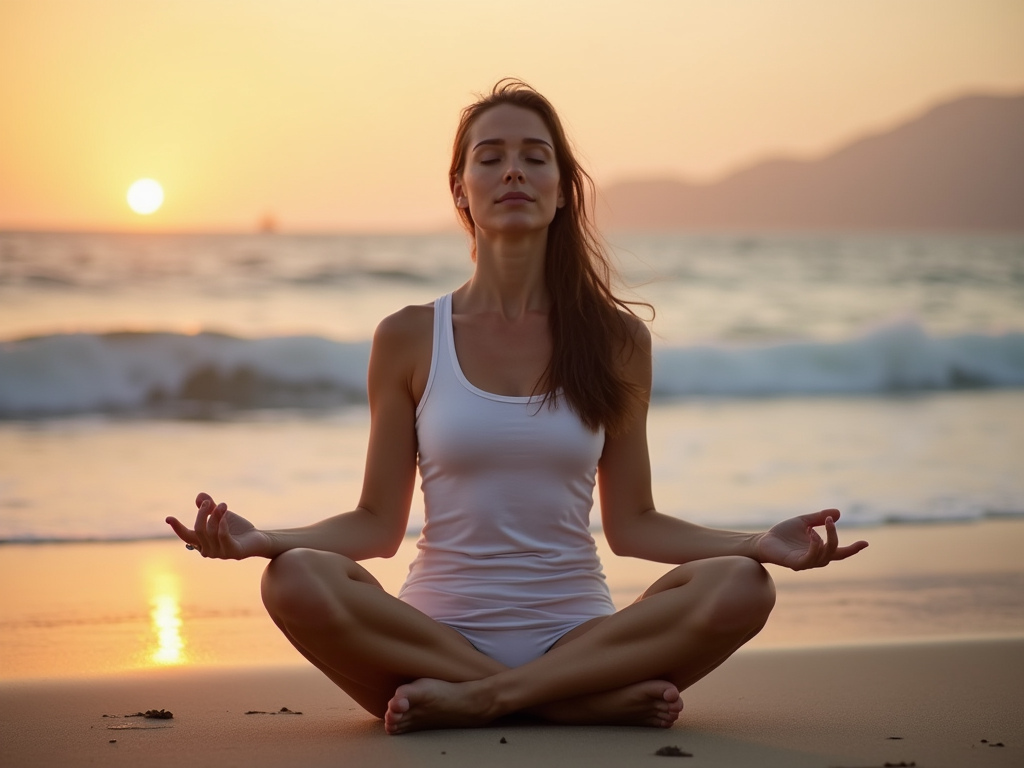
point(416, 673)
point(366, 641)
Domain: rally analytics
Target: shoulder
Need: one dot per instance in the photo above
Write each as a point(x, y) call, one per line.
point(402, 346)
point(407, 324)
point(633, 352)
point(636, 330)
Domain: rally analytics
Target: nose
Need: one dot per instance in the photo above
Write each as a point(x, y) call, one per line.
point(514, 173)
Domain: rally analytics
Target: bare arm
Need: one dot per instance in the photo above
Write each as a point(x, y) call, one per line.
point(399, 362)
point(634, 528)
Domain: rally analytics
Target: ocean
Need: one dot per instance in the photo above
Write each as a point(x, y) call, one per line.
point(881, 374)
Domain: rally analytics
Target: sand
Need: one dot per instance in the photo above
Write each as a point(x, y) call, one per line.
point(930, 704)
point(920, 637)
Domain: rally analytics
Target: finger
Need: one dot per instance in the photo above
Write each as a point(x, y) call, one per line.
point(182, 532)
point(224, 533)
point(832, 541)
point(218, 514)
point(810, 557)
point(210, 529)
point(205, 508)
point(203, 496)
point(205, 532)
point(818, 518)
point(212, 532)
point(200, 525)
point(850, 549)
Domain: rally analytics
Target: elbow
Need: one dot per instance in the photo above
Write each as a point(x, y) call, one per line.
point(383, 548)
point(392, 547)
point(382, 535)
point(373, 550)
point(617, 543)
point(629, 535)
point(390, 543)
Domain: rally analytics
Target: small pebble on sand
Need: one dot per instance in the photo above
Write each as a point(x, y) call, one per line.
point(672, 752)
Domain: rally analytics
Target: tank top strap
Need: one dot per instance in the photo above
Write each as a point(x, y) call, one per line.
point(440, 356)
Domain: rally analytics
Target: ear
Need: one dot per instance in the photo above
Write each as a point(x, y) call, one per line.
point(459, 193)
point(560, 203)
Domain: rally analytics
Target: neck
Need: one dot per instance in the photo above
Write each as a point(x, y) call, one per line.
point(509, 276)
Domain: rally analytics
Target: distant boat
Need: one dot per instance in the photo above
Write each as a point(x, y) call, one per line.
point(267, 224)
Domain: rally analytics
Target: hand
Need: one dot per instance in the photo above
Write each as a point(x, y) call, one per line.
point(795, 544)
point(220, 533)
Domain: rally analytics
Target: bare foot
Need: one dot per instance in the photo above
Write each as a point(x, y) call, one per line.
point(653, 703)
point(425, 704)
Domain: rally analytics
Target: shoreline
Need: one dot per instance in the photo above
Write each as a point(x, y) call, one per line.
point(848, 527)
point(82, 611)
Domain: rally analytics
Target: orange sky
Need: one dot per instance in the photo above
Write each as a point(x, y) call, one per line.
point(334, 115)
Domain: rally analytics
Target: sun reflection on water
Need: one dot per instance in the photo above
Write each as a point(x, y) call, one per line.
point(165, 618)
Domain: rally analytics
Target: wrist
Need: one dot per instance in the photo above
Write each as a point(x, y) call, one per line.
point(752, 546)
point(272, 545)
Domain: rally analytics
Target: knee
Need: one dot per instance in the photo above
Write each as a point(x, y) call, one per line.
point(740, 598)
point(297, 584)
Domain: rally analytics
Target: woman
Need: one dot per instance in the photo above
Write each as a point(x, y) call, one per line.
point(512, 394)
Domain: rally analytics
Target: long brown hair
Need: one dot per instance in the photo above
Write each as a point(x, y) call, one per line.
point(588, 331)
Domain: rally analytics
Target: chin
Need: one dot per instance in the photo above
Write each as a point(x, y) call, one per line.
point(514, 231)
point(514, 224)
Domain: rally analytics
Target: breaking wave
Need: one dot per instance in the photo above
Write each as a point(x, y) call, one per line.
point(169, 372)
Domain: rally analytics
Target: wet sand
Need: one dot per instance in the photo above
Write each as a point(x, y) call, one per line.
point(93, 609)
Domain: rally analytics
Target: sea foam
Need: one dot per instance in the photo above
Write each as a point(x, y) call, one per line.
point(138, 372)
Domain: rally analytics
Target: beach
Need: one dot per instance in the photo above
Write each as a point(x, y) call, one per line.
point(213, 215)
point(928, 704)
point(920, 637)
point(881, 375)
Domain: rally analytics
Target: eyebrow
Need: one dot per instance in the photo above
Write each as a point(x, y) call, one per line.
point(500, 142)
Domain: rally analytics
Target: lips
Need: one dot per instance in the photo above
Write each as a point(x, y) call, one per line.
point(515, 196)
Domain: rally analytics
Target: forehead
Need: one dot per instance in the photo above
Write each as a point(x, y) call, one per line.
point(509, 123)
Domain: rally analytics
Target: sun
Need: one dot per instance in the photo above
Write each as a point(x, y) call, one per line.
point(145, 196)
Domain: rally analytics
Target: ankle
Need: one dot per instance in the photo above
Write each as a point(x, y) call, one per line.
point(499, 694)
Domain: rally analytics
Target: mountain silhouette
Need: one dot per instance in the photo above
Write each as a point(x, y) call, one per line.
point(959, 166)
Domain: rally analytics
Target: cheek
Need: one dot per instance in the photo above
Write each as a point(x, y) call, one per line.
point(475, 185)
point(552, 182)
point(557, 194)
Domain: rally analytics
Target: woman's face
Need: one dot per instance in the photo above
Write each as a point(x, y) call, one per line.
point(510, 180)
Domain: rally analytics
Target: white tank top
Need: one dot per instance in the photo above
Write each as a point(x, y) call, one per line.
point(508, 487)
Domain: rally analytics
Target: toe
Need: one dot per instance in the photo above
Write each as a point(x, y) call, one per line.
point(399, 704)
point(393, 724)
point(394, 715)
